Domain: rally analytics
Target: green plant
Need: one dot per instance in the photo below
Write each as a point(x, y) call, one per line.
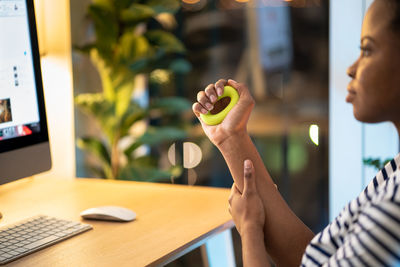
point(130, 39)
point(377, 163)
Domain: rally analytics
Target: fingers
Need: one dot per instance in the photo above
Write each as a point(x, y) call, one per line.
point(220, 86)
point(207, 98)
point(211, 93)
point(197, 109)
point(203, 99)
point(231, 195)
point(245, 96)
point(249, 180)
point(234, 193)
point(240, 87)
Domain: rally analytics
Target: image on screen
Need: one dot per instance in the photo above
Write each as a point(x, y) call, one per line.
point(19, 109)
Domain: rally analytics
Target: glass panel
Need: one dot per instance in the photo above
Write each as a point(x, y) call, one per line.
point(281, 52)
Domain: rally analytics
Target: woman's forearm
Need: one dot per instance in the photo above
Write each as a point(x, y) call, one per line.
point(285, 235)
point(253, 249)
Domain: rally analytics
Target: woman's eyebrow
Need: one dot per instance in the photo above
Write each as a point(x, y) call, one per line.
point(367, 37)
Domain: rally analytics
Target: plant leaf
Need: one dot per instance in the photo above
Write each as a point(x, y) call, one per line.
point(102, 110)
point(377, 163)
point(148, 161)
point(170, 105)
point(137, 13)
point(133, 48)
point(92, 103)
point(96, 148)
point(165, 41)
point(85, 49)
point(149, 174)
point(109, 4)
point(122, 4)
point(161, 6)
point(106, 28)
point(134, 113)
point(123, 99)
point(157, 135)
point(180, 66)
point(97, 171)
point(154, 136)
point(135, 145)
point(105, 74)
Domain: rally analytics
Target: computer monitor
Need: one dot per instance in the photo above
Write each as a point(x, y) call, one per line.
point(24, 141)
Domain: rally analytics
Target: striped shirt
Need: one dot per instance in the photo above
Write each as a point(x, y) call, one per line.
point(367, 231)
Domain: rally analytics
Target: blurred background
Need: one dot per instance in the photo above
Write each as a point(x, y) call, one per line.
point(291, 54)
point(281, 51)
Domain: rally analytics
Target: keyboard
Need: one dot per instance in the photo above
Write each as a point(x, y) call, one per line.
point(35, 233)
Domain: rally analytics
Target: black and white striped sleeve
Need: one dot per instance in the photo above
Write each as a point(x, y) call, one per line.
point(375, 239)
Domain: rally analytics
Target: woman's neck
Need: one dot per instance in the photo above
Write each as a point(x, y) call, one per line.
point(397, 125)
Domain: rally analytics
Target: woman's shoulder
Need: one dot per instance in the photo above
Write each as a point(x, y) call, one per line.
point(375, 214)
point(387, 176)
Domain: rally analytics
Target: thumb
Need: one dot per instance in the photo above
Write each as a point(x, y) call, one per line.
point(235, 85)
point(240, 87)
point(249, 181)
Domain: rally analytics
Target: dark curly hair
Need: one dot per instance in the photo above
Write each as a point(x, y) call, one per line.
point(395, 23)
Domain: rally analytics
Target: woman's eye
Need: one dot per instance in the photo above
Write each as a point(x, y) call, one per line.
point(365, 51)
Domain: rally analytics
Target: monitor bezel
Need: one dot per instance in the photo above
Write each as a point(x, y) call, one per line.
point(41, 136)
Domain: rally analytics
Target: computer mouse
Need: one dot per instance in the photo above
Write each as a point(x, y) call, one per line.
point(109, 213)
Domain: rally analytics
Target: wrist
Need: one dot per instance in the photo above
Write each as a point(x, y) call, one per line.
point(235, 138)
point(252, 229)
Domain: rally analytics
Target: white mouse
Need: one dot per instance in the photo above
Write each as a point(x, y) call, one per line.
point(109, 213)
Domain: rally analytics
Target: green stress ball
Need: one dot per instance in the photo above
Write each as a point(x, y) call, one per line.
point(214, 119)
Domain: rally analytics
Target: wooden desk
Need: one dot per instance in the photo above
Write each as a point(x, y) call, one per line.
point(171, 219)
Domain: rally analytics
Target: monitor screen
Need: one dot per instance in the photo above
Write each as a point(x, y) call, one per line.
point(22, 111)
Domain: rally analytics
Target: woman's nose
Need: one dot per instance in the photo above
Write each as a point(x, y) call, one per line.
point(351, 71)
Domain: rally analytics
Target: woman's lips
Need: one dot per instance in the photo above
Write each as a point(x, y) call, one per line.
point(351, 95)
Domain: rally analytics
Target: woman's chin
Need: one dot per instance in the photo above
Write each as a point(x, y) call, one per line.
point(366, 117)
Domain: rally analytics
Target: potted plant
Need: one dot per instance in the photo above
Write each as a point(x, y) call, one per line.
point(131, 38)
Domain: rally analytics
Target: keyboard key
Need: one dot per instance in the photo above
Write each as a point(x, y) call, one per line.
point(71, 224)
point(22, 250)
point(41, 242)
point(60, 234)
point(6, 255)
point(68, 231)
point(13, 252)
point(32, 234)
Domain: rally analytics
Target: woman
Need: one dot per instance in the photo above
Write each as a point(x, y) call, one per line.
point(367, 231)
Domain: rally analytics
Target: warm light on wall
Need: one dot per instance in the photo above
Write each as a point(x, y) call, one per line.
point(192, 155)
point(314, 134)
point(193, 5)
point(53, 25)
point(41, 25)
point(191, 2)
point(54, 35)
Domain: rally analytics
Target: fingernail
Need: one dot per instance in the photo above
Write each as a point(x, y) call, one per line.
point(247, 164)
point(213, 98)
point(233, 81)
point(220, 91)
point(209, 106)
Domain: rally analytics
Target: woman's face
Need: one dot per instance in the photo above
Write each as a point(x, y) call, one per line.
point(374, 89)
